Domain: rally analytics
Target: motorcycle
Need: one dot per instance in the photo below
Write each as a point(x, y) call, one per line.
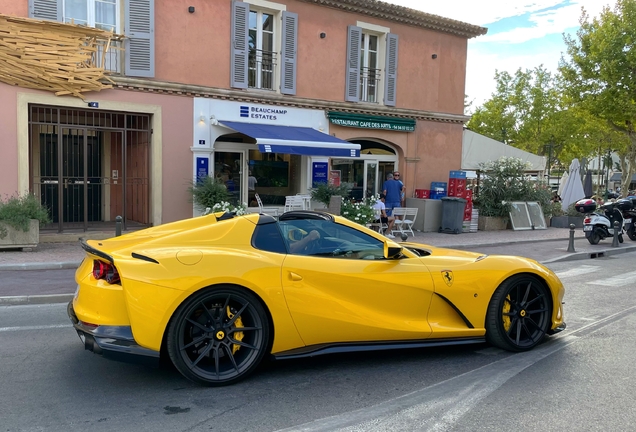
point(599, 226)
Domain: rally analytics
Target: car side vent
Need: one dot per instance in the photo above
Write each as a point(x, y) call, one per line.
point(479, 258)
point(144, 258)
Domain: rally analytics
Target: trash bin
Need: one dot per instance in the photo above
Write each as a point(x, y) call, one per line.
point(452, 215)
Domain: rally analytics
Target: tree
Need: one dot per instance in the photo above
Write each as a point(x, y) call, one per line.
point(600, 76)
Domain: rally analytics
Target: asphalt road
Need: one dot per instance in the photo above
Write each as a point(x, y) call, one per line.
point(581, 379)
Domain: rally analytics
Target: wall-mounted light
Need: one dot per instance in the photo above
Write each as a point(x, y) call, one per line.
point(323, 35)
point(434, 56)
point(191, 9)
point(202, 118)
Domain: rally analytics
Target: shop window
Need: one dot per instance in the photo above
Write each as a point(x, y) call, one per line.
point(275, 176)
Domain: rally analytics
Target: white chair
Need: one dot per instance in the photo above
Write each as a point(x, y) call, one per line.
point(378, 226)
point(265, 210)
point(404, 220)
point(294, 202)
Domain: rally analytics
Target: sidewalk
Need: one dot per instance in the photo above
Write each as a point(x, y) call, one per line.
point(64, 251)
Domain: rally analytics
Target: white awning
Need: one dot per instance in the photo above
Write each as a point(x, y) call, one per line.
point(478, 149)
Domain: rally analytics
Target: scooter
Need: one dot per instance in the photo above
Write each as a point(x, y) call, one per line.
point(599, 226)
point(626, 206)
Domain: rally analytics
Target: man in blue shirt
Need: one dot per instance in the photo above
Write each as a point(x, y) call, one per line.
point(393, 191)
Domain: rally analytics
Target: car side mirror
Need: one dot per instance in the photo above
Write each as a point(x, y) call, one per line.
point(390, 251)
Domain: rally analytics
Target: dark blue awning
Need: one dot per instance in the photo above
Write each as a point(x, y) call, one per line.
point(294, 140)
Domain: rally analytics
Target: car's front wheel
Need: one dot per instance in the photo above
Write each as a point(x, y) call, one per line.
point(519, 314)
point(218, 336)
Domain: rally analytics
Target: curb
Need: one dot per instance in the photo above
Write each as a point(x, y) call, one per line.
point(591, 255)
point(35, 299)
point(41, 266)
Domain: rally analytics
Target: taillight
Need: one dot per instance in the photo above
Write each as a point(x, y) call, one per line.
point(587, 220)
point(107, 271)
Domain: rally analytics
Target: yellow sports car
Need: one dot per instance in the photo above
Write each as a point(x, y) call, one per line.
point(217, 293)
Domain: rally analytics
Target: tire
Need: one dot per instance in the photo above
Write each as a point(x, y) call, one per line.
point(631, 233)
point(218, 336)
point(594, 237)
point(510, 325)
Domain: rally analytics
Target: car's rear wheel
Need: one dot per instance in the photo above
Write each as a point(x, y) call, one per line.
point(519, 314)
point(218, 336)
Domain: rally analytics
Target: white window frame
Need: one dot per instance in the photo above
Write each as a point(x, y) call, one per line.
point(381, 32)
point(90, 16)
point(276, 10)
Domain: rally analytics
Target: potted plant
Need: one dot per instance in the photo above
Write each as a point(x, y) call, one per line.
point(359, 212)
point(324, 191)
point(210, 195)
point(505, 181)
point(561, 219)
point(20, 221)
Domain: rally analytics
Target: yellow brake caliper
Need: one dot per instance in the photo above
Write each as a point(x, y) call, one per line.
point(506, 309)
point(237, 335)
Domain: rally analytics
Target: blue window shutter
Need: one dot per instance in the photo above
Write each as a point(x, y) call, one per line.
point(352, 81)
point(240, 45)
point(46, 9)
point(289, 53)
point(140, 38)
point(390, 79)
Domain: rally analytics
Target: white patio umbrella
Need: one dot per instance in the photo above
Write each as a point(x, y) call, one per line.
point(573, 189)
point(564, 178)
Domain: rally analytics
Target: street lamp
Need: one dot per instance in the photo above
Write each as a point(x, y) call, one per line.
point(608, 165)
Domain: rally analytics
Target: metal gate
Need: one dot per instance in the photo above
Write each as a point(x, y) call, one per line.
point(88, 167)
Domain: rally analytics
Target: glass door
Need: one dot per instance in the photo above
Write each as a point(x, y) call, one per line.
point(371, 178)
point(228, 169)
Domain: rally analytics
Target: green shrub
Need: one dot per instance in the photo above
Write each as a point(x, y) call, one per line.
point(504, 181)
point(359, 212)
point(324, 191)
point(209, 193)
point(16, 211)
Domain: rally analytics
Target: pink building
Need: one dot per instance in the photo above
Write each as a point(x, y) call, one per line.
point(269, 96)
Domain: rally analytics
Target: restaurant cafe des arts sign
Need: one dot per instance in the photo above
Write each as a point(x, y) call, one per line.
point(371, 122)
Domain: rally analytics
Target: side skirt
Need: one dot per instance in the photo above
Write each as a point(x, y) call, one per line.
point(322, 349)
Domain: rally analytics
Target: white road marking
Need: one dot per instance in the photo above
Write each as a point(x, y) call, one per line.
point(44, 327)
point(577, 271)
point(615, 281)
point(439, 407)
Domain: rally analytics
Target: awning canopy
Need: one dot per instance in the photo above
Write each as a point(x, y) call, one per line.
point(294, 140)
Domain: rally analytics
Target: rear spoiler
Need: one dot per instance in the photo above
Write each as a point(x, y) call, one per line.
point(91, 250)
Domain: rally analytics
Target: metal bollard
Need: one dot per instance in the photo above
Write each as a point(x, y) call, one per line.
point(615, 239)
point(118, 221)
point(571, 243)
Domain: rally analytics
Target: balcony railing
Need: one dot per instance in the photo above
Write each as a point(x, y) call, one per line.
point(262, 69)
point(110, 55)
point(369, 84)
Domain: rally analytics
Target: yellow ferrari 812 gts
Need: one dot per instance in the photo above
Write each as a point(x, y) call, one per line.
point(216, 294)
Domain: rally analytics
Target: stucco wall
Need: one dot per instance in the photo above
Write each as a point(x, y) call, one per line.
point(195, 49)
point(172, 120)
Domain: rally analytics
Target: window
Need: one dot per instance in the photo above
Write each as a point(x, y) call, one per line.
point(332, 241)
point(135, 56)
point(101, 14)
point(372, 64)
point(369, 70)
point(263, 46)
point(262, 58)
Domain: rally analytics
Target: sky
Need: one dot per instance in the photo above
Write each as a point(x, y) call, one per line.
point(521, 34)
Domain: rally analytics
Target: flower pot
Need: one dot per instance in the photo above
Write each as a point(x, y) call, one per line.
point(17, 238)
point(492, 223)
point(565, 221)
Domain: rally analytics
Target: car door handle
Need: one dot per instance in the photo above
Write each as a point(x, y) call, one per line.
point(295, 277)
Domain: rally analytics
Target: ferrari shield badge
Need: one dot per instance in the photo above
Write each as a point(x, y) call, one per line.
point(447, 275)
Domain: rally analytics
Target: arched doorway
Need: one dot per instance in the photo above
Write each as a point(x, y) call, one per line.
point(368, 172)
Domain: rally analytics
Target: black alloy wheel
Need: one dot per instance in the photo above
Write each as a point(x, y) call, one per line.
point(519, 314)
point(218, 336)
